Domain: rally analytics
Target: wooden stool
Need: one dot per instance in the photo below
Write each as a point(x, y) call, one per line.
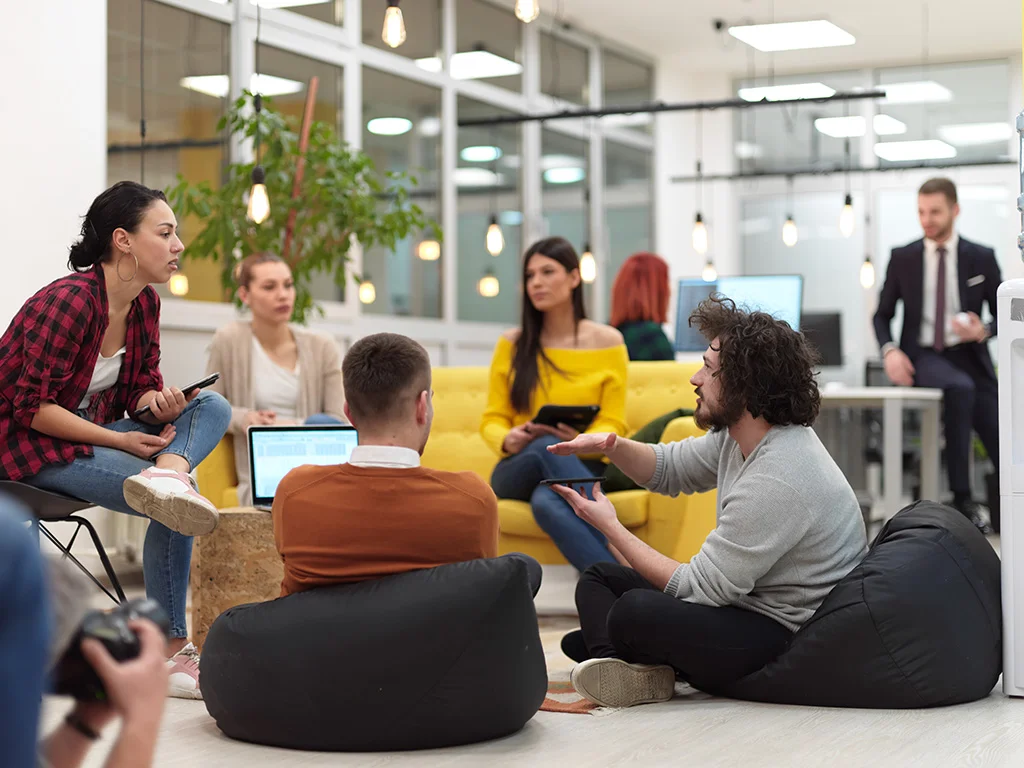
point(236, 564)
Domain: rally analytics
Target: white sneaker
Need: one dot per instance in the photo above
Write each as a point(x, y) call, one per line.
point(616, 683)
point(183, 681)
point(168, 497)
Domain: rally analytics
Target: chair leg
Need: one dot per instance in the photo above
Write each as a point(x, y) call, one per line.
point(114, 581)
point(66, 553)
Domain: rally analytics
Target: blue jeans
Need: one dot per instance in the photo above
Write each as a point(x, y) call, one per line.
point(24, 635)
point(98, 479)
point(518, 477)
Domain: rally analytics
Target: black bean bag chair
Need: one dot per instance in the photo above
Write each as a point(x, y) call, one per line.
point(917, 624)
point(433, 658)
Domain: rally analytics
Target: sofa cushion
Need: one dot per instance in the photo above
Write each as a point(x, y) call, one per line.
point(917, 624)
point(516, 518)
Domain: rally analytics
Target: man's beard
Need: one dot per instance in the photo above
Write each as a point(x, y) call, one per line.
point(712, 420)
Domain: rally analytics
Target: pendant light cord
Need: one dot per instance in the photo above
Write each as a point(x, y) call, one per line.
point(142, 91)
point(700, 160)
point(257, 100)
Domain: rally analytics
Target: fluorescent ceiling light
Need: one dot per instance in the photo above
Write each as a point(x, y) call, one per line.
point(429, 127)
point(905, 151)
point(785, 92)
point(793, 35)
point(548, 162)
point(476, 177)
point(974, 134)
point(746, 151)
point(564, 175)
point(389, 126)
point(850, 127)
point(218, 85)
point(480, 154)
point(474, 65)
point(918, 92)
point(627, 120)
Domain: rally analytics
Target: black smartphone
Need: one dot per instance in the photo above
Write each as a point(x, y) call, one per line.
point(203, 382)
point(579, 417)
point(571, 481)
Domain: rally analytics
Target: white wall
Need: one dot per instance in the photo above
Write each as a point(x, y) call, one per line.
point(53, 133)
point(676, 155)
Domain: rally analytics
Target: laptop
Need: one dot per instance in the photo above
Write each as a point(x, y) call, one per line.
point(276, 451)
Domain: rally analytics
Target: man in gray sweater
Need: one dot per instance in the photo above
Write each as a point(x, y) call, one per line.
point(789, 526)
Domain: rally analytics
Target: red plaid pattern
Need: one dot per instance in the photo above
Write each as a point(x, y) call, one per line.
point(48, 354)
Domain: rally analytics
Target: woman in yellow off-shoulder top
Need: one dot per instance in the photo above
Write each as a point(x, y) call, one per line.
point(557, 357)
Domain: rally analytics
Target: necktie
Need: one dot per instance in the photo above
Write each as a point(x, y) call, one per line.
point(940, 301)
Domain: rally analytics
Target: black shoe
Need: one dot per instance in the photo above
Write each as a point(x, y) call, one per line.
point(972, 511)
point(574, 647)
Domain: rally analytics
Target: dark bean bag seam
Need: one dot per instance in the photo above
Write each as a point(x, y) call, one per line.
point(470, 638)
point(881, 640)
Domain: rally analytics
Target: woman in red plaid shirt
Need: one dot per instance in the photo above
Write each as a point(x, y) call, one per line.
point(81, 353)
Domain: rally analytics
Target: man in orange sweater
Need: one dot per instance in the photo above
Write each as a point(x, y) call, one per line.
point(382, 513)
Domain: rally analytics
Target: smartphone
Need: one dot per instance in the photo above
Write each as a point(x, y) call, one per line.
point(571, 481)
point(203, 382)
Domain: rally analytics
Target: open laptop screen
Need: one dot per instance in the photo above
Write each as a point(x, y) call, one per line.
point(276, 451)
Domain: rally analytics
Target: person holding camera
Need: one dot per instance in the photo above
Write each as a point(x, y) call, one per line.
point(85, 350)
point(136, 692)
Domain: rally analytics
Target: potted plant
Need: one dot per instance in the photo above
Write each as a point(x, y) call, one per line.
point(317, 214)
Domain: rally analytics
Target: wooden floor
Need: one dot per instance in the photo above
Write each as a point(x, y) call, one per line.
point(691, 730)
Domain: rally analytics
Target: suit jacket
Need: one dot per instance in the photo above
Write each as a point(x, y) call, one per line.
point(320, 389)
point(904, 280)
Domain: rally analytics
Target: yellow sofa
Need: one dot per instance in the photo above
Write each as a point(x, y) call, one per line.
point(676, 527)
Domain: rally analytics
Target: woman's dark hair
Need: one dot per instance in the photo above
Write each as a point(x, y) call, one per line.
point(123, 206)
point(245, 268)
point(765, 366)
point(525, 371)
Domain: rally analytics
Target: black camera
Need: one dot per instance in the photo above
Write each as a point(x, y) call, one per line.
point(74, 676)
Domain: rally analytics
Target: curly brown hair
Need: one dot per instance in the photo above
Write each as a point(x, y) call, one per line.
point(765, 366)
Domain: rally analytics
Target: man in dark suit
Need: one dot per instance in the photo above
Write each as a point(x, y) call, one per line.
point(943, 280)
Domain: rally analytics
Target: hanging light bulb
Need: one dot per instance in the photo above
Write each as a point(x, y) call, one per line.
point(867, 273)
point(394, 25)
point(789, 232)
point(259, 200)
point(488, 286)
point(495, 239)
point(527, 10)
point(709, 274)
point(700, 235)
point(846, 218)
point(429, 250)
point(367, 291)
point(588, 265)
point(178, 285)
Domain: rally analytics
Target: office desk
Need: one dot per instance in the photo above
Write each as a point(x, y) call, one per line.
point(893, 401)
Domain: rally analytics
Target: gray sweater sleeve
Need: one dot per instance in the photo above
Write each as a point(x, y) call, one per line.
point(688, 466)
point(760, 522)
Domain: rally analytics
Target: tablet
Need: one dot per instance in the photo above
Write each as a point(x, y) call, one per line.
point(579, 417)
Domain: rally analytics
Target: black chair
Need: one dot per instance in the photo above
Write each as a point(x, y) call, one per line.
point(49, 507)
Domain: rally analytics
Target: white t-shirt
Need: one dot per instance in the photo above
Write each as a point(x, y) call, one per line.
point(275, 388)
point(104, 376)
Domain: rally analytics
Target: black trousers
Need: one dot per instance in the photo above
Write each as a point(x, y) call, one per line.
point(622, 615)
point(970, 402)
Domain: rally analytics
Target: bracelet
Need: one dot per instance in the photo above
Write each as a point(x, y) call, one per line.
point(79, 725)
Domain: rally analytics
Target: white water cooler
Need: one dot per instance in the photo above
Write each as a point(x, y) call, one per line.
point(1011, 479)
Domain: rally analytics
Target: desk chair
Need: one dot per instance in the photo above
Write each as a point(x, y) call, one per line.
point(50, 507)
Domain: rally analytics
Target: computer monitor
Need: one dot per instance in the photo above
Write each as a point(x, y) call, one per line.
point(779, 295)
point(825, 331)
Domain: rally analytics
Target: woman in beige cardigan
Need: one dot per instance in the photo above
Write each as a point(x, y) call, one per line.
point(273, 372)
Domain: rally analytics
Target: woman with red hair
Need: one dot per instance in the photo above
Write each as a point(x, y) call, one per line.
point(639, 307)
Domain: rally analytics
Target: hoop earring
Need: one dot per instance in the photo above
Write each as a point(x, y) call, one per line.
point(117, 268)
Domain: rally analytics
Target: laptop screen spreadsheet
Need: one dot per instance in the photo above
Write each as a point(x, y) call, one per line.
point(276, 452)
